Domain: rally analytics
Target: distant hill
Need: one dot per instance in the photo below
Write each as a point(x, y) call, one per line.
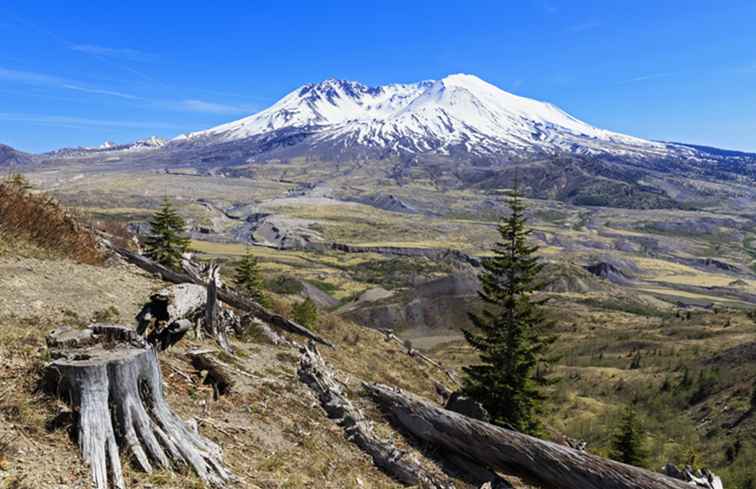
point(11, 157)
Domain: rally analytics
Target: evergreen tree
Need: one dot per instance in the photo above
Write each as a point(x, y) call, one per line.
point(306, 313)
point(627, 443)
point(511, 341)
point(167, 241)
point(248, 279)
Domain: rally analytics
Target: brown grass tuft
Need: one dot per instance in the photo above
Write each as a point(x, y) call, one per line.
point(41, 220)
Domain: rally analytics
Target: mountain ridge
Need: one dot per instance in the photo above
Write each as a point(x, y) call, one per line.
point(458, 111)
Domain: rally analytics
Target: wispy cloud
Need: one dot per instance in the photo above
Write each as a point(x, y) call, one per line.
point(650, 76)
point(100, 91)
point(55, 120)
point(44, 79)
point(107, 52)
point(58, 82)
point(194, 105)
point(30, 77)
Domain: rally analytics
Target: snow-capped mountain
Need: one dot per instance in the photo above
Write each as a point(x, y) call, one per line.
point(460, 113)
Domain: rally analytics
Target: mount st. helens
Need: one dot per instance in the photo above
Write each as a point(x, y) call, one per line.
point(460, 113)
point(457, 132)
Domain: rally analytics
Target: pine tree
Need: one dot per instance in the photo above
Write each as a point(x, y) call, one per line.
point(167, 241)
point(511, 341)
point(306, 313)
point(627, 443)
point(248, 280)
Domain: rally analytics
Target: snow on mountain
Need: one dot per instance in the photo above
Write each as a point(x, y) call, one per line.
point(458, 112)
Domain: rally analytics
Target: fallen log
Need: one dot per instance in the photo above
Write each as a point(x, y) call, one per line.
point(111, 376)
point(225, 295)
point(218, 375)
point(315, 374)
point(499, 448)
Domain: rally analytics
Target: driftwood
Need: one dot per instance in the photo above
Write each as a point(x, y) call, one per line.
point(227, 296)
point(499, 449)
point(218, 374)
point(111, 376)
point(315, 373)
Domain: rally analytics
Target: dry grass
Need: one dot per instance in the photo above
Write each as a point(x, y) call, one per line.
point(39, 219)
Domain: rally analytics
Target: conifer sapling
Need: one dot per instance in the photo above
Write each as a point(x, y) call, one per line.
point(167, 241)
point(248, 280)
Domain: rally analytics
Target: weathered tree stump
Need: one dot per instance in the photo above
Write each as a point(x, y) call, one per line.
point(173, 311)
point(111, 376)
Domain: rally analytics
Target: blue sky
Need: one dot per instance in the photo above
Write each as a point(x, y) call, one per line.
point(80, 72)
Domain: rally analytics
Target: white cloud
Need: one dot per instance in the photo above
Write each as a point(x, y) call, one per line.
point(651, 76)
point(194, 105)
point(99, 91)
point(122, 53)
point(82, 121)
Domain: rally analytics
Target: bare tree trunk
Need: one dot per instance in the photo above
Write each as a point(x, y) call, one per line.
point(498, 448)
point(315, 373)
point(215, 328)
point(225, 295)
point(112, 377)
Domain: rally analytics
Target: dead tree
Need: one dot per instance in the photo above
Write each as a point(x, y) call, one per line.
point(214, 326)
point(499, 448)
point(225, 295)
point(315, 374)
point(111, 376)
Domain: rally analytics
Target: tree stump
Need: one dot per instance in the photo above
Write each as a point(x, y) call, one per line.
point(111, 376)
point(172, 311)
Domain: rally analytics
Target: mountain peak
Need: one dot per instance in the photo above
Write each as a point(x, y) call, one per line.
point(459, 111)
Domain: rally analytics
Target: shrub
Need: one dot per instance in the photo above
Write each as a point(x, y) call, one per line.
point(42, 221)
point(286, 285)
point(306, 313)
